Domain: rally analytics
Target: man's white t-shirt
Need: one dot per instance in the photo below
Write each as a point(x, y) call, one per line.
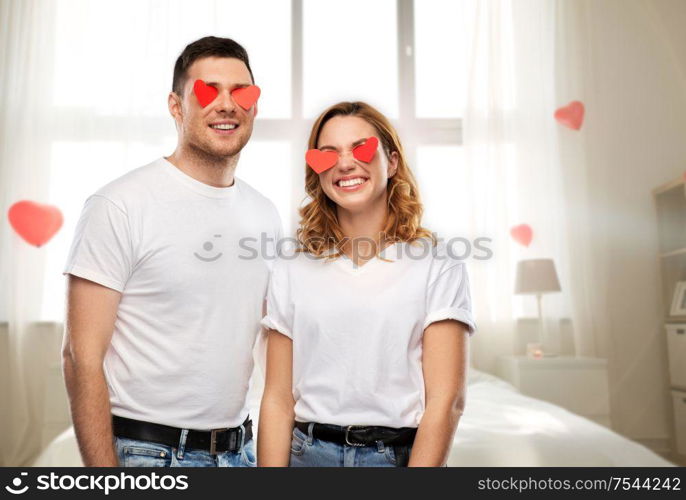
point(357, 330)
point(187, 260)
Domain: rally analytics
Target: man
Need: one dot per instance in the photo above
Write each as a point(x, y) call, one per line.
point(162, 314)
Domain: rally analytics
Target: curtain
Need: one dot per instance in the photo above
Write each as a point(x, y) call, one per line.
point(524, 167)
point(587, 249)
point(26, 28)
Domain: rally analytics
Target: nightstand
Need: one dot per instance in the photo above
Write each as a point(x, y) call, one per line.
point(575, 383)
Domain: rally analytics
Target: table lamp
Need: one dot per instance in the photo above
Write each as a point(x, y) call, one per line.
point(537, 277)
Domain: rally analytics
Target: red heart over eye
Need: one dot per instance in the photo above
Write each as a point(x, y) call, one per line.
point(365, 152)
point(204, 93)
point(321, 160)
point(245, 97)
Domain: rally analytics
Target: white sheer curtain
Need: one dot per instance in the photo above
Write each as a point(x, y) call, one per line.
point(587, 249)
point(26, 28)
point(522, 167)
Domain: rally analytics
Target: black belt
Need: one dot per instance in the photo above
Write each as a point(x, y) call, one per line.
point(360, 435)
point(214, 441)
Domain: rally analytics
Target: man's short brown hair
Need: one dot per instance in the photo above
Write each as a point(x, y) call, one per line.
point(209, 46)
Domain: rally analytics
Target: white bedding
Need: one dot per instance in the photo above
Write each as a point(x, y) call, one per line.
point(500, 428)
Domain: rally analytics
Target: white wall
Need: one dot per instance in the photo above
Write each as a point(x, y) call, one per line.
point(635, 126)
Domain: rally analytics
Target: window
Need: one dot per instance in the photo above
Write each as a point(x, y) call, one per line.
point(441, 171)
point(393, 54)
point(91, 50)
point(441, 58)
point(354, 58)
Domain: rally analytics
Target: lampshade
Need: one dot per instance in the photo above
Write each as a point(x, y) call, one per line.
point(535, 276)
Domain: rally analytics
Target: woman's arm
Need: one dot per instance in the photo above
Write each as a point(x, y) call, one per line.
point(276, 410)
point(444, 363)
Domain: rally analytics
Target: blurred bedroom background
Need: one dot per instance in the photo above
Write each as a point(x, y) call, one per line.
point(584, 213)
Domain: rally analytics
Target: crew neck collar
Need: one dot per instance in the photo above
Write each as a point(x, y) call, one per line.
point(198, 186)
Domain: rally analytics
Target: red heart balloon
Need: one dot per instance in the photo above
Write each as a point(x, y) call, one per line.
point(245, 97)
point(365, 152)
point(572, 115)
point(205, 93)
point(522, 234)
point(34, 222)
point(321, 160)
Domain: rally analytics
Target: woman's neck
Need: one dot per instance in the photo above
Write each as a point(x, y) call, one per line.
point(364, 231)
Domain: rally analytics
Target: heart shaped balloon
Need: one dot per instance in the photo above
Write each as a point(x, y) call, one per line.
point(572, 115)
point(522, 234)
point(36, 223)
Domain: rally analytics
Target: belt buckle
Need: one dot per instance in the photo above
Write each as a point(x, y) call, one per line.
point(347, 441)
point(213, 439)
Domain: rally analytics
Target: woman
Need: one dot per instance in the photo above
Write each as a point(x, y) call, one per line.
point(368, 323)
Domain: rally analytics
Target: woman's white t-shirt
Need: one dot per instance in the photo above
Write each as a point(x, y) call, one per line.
point(357, 330)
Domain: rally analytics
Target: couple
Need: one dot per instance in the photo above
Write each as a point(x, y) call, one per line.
point(367, 336)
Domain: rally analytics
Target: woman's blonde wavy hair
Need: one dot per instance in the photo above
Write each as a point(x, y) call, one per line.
point(319, 230)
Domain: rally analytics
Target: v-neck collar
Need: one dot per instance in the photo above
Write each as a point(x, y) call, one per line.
point(347, 264)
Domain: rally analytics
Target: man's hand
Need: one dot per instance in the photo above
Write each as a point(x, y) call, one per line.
point(91, 312)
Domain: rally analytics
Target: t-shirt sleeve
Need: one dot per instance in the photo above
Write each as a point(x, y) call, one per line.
point(448, 294)
point(102, 249)
point(279, 315)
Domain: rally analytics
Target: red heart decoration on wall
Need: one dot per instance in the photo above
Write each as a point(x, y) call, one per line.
point(365, 152)
point(245, 97)
point(34, 222)
point(522, 234)
point(572, 115)
point(205, 93)
point(321, 160)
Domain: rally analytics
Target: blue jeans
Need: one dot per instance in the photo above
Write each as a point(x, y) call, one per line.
point(135, 453)
point(307, 451)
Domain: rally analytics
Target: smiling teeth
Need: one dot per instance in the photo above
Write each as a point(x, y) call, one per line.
point(224, 126)
point(351, 182)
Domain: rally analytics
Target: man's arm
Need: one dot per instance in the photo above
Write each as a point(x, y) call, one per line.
point(444, 363)
point(276, 410)
point(91, 312)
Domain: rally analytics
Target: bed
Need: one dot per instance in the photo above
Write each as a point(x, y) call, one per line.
point(503, 428)
point(500, 428)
